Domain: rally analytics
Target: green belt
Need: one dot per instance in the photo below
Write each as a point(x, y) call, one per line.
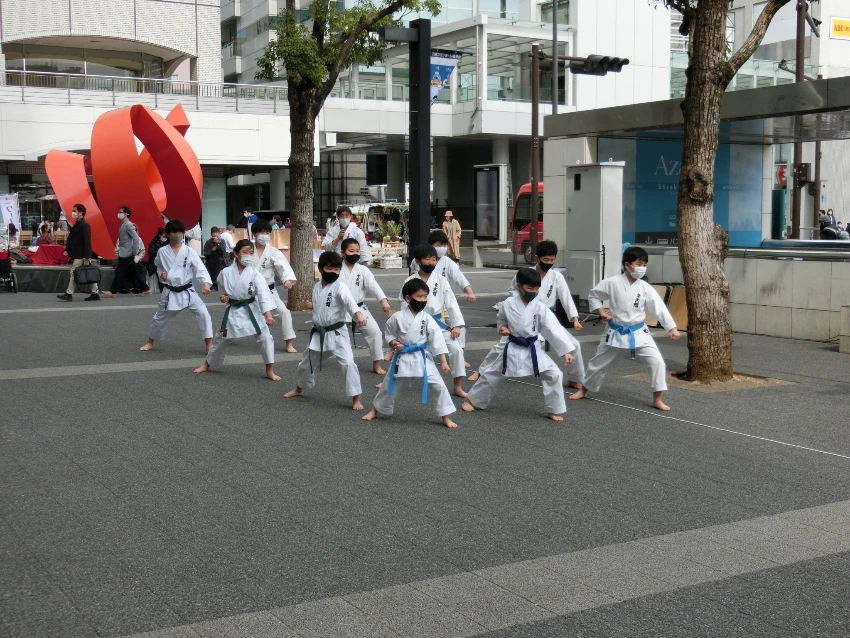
point(238, 303)
point(322, 330)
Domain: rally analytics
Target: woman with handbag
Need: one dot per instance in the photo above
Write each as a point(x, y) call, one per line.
point(78, 248)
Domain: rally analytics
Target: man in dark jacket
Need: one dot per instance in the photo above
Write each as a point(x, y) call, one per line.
point(78, 248)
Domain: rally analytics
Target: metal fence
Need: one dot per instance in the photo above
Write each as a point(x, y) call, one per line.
point(96, 90)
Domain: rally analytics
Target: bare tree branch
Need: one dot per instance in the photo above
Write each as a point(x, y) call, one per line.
point(754, 39)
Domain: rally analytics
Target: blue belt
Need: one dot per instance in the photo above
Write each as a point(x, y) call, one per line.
point(413, 347)
point(439, 319)
point(628, 330)
point(525, 342)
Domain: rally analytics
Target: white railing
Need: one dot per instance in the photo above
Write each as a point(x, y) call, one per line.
point(95, 90)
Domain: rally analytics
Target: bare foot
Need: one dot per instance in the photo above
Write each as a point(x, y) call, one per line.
point(272, 376)
point(356, 404)
point(377, 369)
point(290, 348)
point(467, 364)
point(378, 385)
point(466, 406)
point(574, 384)
point(658, 404)
point(575, 396)
point(459, 392)
point(297, 392)
point(147, 346)
point(203, 368)
point(555, 417)
point(449, 423)
point(474, 376)
point(371, 414)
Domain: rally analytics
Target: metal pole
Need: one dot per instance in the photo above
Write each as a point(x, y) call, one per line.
point(535, 141)
point(816, 211)
point(796, 196)
point(555, 57)
point(419, 165)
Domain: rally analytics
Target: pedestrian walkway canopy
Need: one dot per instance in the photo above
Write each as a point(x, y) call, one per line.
point(802, 112)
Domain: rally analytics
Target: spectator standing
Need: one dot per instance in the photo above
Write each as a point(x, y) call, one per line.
point(832, 222)
point(78, 248)
point(62, 224)
point(129, 246)
point(453, 231)
point(227, 238)
point(214, 253)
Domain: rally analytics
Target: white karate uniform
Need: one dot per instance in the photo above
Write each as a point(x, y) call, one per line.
point(352, 230)
point(238, 286)
point(441, 300)
point(627, 302)
point(331, 305)
point(182, 269)
point(409, 370)
point(553, 287)
point(448, 268)
point(360, 280)
point(532, 320)
point(274, 267)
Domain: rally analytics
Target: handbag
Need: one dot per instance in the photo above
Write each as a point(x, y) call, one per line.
point(87, 274)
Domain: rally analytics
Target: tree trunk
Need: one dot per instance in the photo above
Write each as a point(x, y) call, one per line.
point(702, 243)
point(302, 127)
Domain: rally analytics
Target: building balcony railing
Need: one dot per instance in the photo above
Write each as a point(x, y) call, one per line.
point(105, 91)
point(231, 50)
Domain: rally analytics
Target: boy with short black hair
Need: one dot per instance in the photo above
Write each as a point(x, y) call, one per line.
point(627, 297)
point(522, 320)
point(360, 280)
point(332, 302)
point(553, 288)
point(415, 339)
point(274, 267)
point(446, 266)
point(443, 307)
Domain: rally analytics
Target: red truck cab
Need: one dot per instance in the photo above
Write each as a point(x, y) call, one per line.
point(519, 229)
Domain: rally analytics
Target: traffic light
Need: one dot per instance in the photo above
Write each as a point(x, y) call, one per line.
point(598, 65)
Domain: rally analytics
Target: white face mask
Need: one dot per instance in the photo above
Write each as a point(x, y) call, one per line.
point(121, 215)
point(344, 222)
point(263, 239)
point(441, 251)
point(246, 260)
point(74, 215)
point(639, 272)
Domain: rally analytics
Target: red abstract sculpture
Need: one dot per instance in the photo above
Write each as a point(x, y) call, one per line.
point(165, 179)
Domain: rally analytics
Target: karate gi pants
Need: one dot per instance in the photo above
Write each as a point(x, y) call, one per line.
point(575, 370)
point(605, 355)
point(345, 359)
point(162, 316)
point(283, 315)
point(371, 332)
point(218, 351)
point(384, 401)
point(455, 356)
point(491, 378)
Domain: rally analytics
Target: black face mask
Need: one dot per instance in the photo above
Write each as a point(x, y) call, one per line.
point(427, 268)
point(329, 277)
point(352, 259)
point(417, 306)
point(544, 267)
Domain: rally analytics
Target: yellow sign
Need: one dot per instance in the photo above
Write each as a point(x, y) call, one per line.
point(839, 29)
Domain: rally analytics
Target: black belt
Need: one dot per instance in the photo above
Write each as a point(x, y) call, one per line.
point(271, 286)
point(182, 288)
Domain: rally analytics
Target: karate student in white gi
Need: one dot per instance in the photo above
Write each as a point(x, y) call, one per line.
point(446, 266)
point(177, 265)
point(415, 339)
point(626, 297)
point(347, 228)
point(249, 310)
point(523, 319)
point(274, 267)
point(332, 303)
point(360, 280)
point(442, 305)
point(553, 287)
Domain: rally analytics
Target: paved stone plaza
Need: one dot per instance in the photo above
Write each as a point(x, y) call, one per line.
point(140, 499)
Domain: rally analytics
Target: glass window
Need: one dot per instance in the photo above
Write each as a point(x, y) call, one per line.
point(14, 57)
point(116, 63)
point(563, 12)
point(499, 8)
